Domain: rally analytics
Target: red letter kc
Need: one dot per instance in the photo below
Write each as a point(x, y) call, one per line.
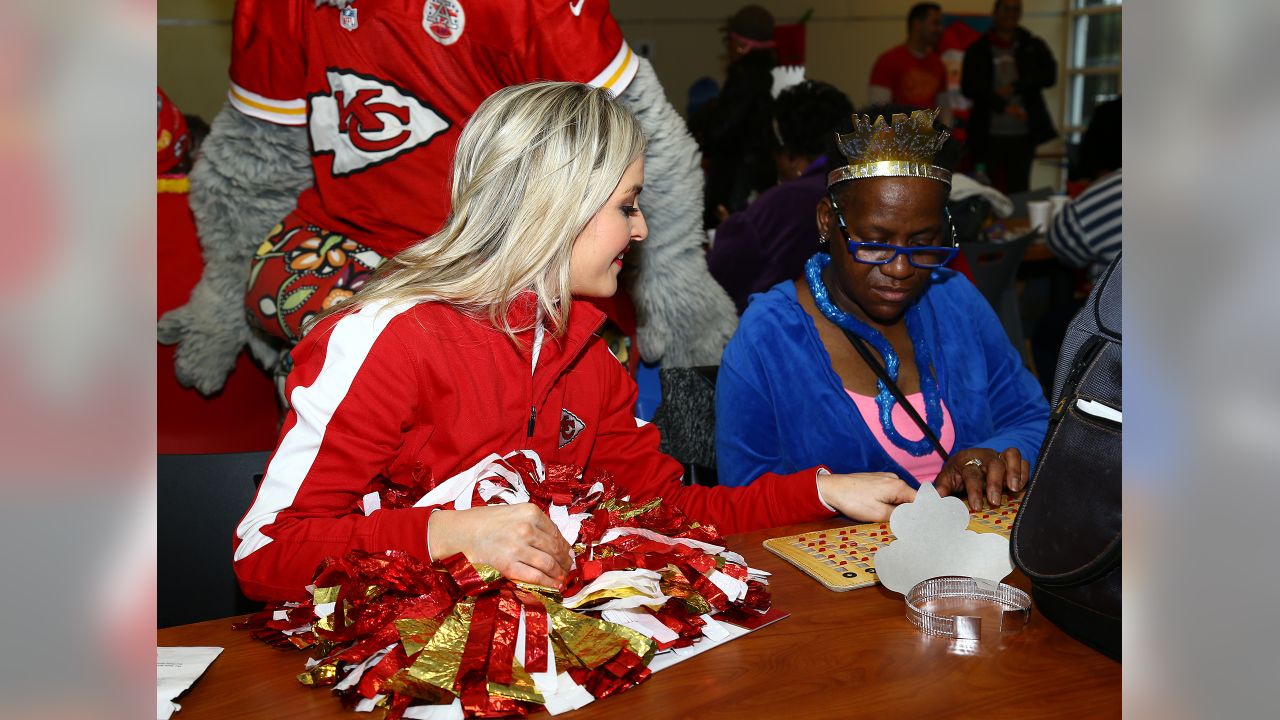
point(360, 116)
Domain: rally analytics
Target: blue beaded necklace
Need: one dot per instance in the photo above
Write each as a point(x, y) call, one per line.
point(884, 399)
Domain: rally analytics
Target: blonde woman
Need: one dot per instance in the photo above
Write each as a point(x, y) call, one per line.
point(469, 343)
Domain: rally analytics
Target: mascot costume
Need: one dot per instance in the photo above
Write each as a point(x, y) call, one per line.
point(334, 149)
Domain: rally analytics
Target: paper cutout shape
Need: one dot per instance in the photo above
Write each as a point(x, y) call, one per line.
point(933, 539)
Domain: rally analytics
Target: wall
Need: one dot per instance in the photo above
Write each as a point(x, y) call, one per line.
point(193, 46)
point(843, 39)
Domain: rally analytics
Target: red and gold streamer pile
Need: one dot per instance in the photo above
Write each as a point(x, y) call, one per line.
point(390, 630)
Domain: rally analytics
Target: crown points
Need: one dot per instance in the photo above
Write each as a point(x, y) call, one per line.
point(905, 141)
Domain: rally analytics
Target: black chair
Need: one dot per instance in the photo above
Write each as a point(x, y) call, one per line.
point(995, 270)
point(200, 499)
point(686, 420)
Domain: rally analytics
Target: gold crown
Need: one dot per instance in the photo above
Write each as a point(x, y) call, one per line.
point(903, 147)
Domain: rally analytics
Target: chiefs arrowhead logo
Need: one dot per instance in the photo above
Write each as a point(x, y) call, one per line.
point(364, 121)
point(570, 427)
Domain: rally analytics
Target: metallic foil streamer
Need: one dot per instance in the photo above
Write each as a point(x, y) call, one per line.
point(535, 631)
point(606, 594)
point(472, 683)
point(324, 624)
point(631, 510)
point(624, 670)
point(520, 688)
point(405, 685)
point(371, 644)
point(320, 675)
point(322, 595)
point(678, 617)
point(469, 577)
point(676, 585)
point(592, 640)
point(506, 626)
point(372, 682)
point(439, 661)
point(708, 590)
point(415, 633)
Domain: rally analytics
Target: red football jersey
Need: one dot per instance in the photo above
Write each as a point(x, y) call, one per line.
point(385, 87)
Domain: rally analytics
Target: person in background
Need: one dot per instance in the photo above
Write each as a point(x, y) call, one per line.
point(912, 74)
point(1086, 233)
point(770, 241)
point(702, 91)
point(735, 131)
point(794, 388)
point(1005, 73)
point(475, 341)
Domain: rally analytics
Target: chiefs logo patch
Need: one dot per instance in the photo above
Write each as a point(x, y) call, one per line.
point(364, 121)
point(570, 427)
point(444, 20)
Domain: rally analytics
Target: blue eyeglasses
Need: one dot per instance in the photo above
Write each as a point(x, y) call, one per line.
point(869, 253)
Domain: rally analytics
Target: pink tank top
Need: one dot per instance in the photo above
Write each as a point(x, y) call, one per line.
point(926, 467)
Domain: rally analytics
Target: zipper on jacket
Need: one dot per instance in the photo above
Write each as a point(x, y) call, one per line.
point(533, 418)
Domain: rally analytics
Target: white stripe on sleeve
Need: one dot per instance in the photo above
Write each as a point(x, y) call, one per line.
point(349, 344)
point(618, 74)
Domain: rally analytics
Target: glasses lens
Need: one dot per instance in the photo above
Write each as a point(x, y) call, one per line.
point(931, 257)
point(870, 253)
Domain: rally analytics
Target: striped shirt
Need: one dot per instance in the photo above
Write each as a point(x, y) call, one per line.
point(1087, 231)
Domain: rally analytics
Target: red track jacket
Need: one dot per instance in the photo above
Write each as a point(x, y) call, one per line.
point(417, 393)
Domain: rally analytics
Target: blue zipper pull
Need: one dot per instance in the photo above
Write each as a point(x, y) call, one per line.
point(533, 417)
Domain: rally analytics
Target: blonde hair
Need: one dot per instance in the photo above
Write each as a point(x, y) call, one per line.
point(533, 166)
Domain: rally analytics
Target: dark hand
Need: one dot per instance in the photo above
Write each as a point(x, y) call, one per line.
point(993, 473)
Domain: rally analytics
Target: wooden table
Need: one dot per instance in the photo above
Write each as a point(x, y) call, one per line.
point(850, 654)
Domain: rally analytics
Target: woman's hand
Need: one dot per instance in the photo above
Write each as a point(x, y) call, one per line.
point(992, 473)
point(519, 540)
point(867, 497)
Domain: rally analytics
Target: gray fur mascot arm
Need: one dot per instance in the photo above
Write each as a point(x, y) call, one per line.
point(247, 179)
point(684, 317)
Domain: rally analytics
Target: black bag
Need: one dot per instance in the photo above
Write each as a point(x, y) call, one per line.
point(1066, 537)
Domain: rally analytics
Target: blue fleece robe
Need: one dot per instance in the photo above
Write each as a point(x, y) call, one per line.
point(780, 407)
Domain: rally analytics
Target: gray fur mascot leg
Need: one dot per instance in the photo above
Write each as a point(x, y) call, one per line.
point(685, 318)
point(247, 179)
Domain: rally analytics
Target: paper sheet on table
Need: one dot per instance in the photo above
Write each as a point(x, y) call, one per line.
point(933, 539)
point(176, 669)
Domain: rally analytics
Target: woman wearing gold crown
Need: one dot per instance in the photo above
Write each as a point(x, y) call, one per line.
point(820, 368)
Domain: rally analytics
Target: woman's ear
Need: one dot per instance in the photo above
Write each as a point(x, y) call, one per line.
point(826, 219)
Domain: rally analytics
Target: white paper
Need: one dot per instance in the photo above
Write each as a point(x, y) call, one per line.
point(714, 629)
point(371, 502)
point(664, 660)
point(933, 539)
point(369, 704)
point(435, 712)
point(733, 557)
point(176, 669)
point(647, 582)
point(567, 695)
point(568, 525)
point(355, 673)
point(731, 586)
point(1097, 409)
point(458, 489)
point(642, 622)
